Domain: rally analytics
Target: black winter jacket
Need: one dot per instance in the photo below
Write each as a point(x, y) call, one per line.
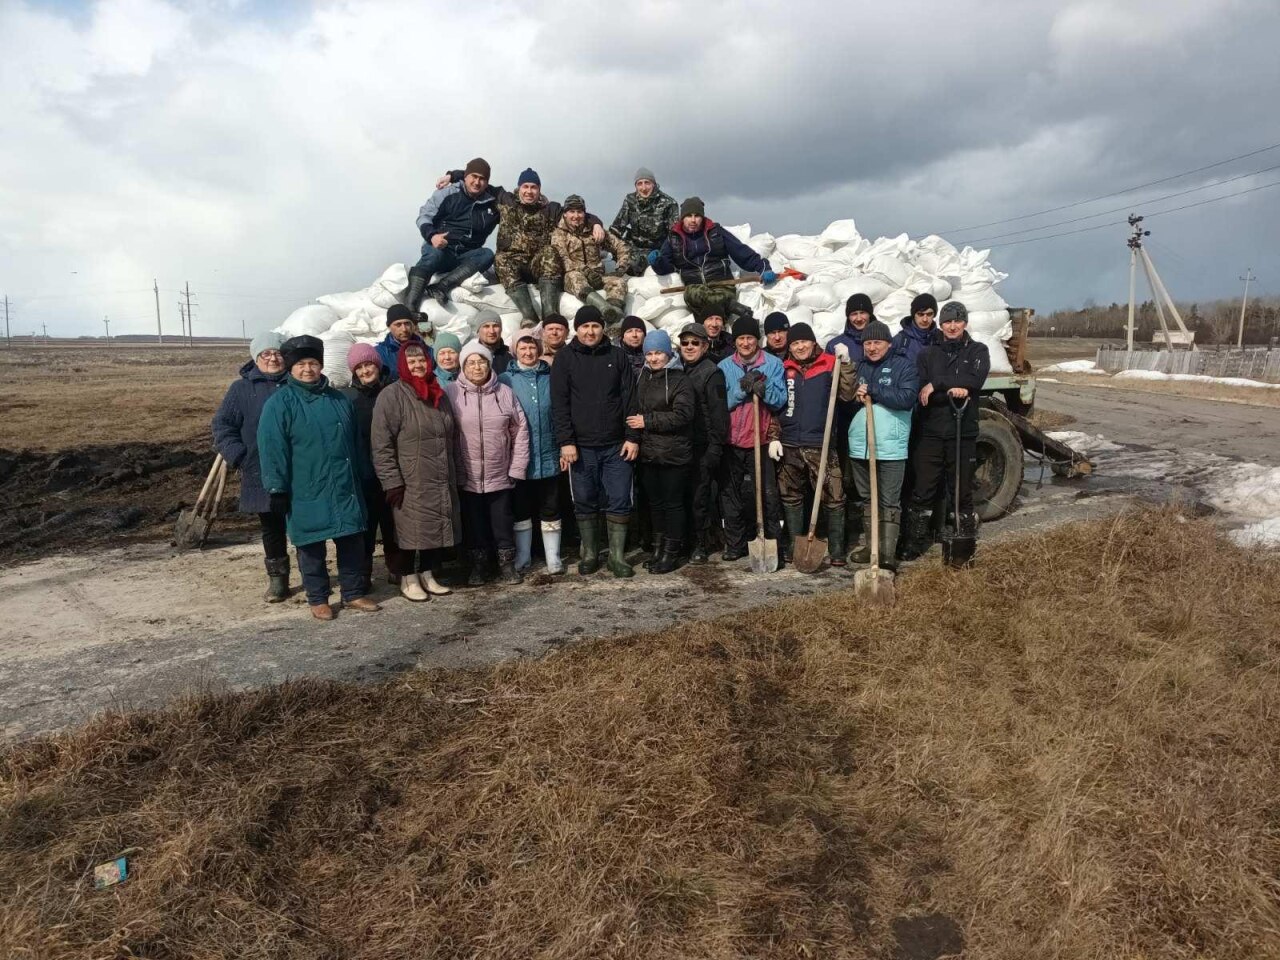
point(665, 399)
point(707, 255)
point(711, 411)
point(952, 363)
point(590, 394)
point(363, 398)
point(721, 345)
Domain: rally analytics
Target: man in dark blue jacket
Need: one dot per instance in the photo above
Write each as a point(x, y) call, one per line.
point(455, 223)
point(918, 328)
point(704, 252)
point(401, 328)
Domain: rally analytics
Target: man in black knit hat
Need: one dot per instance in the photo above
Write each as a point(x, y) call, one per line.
point(776, 325)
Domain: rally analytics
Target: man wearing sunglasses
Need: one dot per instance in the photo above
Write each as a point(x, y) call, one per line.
point(710, 434)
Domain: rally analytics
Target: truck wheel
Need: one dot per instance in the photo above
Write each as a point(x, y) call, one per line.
point(999, 472)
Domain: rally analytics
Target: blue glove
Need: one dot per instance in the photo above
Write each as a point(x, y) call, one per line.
point(652, 257)
point(768, 278)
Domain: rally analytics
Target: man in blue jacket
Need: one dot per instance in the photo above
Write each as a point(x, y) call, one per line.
point(455, 223)
point(918, 328)
point(401, 328)
point(889, 380)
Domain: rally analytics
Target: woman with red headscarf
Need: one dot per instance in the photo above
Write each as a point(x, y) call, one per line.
point(414, 435)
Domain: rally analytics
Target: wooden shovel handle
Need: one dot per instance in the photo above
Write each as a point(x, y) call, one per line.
point(745, 278)
point(875, 487)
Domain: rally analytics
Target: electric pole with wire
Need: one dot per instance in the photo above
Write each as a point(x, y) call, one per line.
point(1135, 244)
point(7, 339)
point(191, 332)
point(107, 323)
point(155, 285)
point(1247, 278)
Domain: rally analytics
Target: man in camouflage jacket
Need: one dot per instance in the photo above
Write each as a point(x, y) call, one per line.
point(581, 259)
point(644, 219)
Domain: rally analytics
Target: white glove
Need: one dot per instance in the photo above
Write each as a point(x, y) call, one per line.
point(775, 449)
point(842, 351)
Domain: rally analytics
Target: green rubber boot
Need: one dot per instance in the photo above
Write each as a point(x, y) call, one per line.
point(589, 548)
point(835, 535)
point(793, 520)
point(618, 565)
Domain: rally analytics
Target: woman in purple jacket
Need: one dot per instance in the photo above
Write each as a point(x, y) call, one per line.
point(493, 453)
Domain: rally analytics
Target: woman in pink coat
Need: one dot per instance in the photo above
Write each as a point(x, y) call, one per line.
point(493, 453)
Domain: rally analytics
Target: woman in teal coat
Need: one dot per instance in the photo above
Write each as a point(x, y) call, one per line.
point(315, 472)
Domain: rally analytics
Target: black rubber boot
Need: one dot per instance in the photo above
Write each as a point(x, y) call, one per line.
point(733, 552)
point(277, 579)
point(612, 317)
point(479, 575)
point(417, 287)
point(668, 557)
point(549, 292)
point(507, 567)
point(701, 553)
point(915, 539)
point(890, 526)
point(862, 553)
point(522, 297)
point(439, 290)
point(835, 535)
point(617, 310)
point(618, 565)
point(853, 526)
point(793, 520)
point(589, 548)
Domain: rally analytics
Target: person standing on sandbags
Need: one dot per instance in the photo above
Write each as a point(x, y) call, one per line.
point(889, 379)
point(591, 385)
point(448, 366)
point(703, 252)
point(710, 434)
point(776, 340)
point(952, 374)
point(455, 222)
point(847, 345)
point(750, 372)
point(581, 258)
point(402, 328)
point(312, 469)
point(643, 220)
point(489, 335)
point(235, 436)
point(803, 421)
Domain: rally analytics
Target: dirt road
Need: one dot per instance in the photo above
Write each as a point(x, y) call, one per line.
point(134, 626)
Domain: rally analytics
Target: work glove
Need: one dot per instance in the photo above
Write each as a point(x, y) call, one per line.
point(768, 278)
point(752, 383)
point(775, 449)
point(842, 351)
point(395, 497)
point(652, 257)
point(280, 503)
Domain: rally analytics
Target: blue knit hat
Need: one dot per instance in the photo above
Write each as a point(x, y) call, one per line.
point(530, 175)
point(657, 340)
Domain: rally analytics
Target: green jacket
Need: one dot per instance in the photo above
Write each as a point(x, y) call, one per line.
point(309, 448)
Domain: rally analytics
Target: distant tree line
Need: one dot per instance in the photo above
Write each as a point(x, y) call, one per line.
point(1215, 322)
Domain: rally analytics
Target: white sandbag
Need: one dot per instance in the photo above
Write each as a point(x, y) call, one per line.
point(569, 307)
point(337, 344)
point(763, 244)
point(795, 247)
point(492, 296)
point(894, 307)
point(818, 296)
point(940, 288)
point(780, 296)
point(889, 268)
point(999, 358)
point(673, 321)
point(742, 231)
point(828, 324)
point(655, 307)
point(873, 287)
point(455, 318)
point(839, 233)
point(650, 284)
point(347, 303)
point(387, 290)
point(311, 321)
point(799, 314)
point(357, 324)
point(979, 298)
point(994, 324)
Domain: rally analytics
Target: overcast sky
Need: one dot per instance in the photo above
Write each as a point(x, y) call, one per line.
point(272, 152)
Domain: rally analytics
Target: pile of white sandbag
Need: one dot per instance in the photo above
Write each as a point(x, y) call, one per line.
point(838, 263)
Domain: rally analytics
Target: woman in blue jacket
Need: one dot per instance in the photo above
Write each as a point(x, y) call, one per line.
point(235, 436)
point(890, 380)
point(538, 494)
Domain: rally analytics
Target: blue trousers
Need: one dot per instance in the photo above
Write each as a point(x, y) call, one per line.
point(315, 571)
point(601, 480)
point(435, 261)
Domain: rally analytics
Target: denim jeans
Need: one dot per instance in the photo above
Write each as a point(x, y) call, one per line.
point(601, 481)
point(315, 569)
point(435, 261)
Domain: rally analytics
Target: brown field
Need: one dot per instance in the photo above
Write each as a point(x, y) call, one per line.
point(1254, 396)
point(1070, 751)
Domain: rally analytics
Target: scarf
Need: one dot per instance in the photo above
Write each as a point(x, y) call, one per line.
point(427, 388)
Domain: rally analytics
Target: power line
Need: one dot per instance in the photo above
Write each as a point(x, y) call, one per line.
point(1106, 196)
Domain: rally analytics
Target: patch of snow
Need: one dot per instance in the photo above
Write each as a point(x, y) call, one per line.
point(1074, 366)
point(1264, 533)
point(1194, 378)
point(1084, 442)
point(1248, 490)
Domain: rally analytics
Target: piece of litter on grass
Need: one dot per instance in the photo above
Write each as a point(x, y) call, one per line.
point(110, 873)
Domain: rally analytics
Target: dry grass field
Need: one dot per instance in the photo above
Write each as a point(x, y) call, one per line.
point(1067, 752)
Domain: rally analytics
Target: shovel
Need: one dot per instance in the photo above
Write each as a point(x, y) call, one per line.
point(873, 584)
point(192, 528)
point(763, 553)
point(744, 278)
point(811, 552)
point(957, 550)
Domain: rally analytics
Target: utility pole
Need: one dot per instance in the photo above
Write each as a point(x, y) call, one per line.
point(107, 323)
point(159, 331)
point(1247, 278)
point(190, 325)
point(7, 339)
point(1135, 244)
point(44, 329)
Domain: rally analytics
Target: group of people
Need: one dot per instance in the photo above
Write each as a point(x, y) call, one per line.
point(616, 434)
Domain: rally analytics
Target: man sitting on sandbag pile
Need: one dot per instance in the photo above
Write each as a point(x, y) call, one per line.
point(703, 252)
point(581, 258)
point(455, 223)
point(643, 220)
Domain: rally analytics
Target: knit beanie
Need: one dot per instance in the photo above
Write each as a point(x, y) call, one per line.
point(478, 165)
point(302, 348)
point(693, 207)
point(747, 326)
point(362, 353)
point(924, 301)
point(473, 347)
point(776, 321)
point(955, 310)
point(266, 340)
point(447, 341)
point(398, 311)
point(876, 330)
point(859, 301)
point(643, 173)
point(487, 315)
point(631, 323)
point(556, 319)
point(529, 175)
point(801, 331)
point(574, 202)
point(657, 340)
point(586, 314)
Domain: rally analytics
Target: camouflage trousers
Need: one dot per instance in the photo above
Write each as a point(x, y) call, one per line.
point(798, 473)
point(578, 282)
point(515, 267)
point(704, 301)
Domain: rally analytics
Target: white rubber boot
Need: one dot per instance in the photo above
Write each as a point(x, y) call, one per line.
point(524, 545)
point(551, 545)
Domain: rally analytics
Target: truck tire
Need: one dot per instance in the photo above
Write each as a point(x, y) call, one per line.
point(999, 473)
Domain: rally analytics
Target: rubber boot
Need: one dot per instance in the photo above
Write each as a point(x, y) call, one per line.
point(439, 291)
point(549, 292)
point(417, 287)
point(915, 539)
point(890, 526)
point(793, 526)
point(618, 565)
point(551, 546)
point(479, 573)
point(524, 545)
point(522, 297)
point(668, 557)
point(853, 526)
point(589, 548)
point(835, 535)
point(277, 579)
point(862, 553)
point(736, 309)
point(611, 317)
point(701, 550)
point(617, 310)
point(507, 572)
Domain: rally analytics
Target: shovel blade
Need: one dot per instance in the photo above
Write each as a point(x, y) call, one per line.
point(958, 551)
point(874, 585)
point(763, 554)
point(810, 554)
point(191, 530)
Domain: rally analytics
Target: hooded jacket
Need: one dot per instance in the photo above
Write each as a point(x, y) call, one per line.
point(741, 415)
point(706, 255)
point(665, 399)
point(643, 222)
point(952, 363)
point(590, 394)
point(893, 385)
point(493, 435)
point(235, 431)
point(913, 340)
point(532, 387)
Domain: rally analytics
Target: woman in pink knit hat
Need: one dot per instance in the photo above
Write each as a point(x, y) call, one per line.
point(368, 377)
